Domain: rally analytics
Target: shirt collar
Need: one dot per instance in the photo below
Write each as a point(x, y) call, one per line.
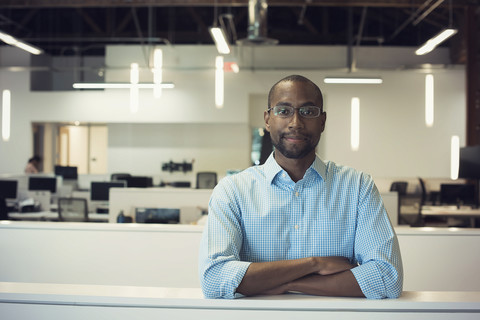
point(272, 168)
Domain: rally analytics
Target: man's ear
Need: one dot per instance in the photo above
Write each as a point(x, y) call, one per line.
point(324, 119)
point(266, 117)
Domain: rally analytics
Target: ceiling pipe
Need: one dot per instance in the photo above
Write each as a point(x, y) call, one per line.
point(257, 24)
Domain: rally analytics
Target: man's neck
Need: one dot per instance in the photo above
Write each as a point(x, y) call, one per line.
point(295, 168)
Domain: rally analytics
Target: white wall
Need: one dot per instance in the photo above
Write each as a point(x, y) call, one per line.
point(394, 140)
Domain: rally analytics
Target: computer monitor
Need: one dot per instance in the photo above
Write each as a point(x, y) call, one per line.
point(469, 167)
point(67, 172)
point(42, 184)
point(457, 194)
point(139, 182)
point(100, 191)
point(157, 215)
point(8, 189)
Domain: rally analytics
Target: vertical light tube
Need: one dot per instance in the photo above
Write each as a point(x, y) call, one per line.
point(6, 100)
point(157, 72)
point(429, 103)
point(219, 79)
point(454, 157)
point(355, 124)
point(134, 76)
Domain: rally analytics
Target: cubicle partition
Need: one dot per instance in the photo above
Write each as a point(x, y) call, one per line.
point(191, 202)
point(434, 259)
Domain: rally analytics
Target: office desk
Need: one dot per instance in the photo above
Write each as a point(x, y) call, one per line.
point(69, 301)
point(52, 216)
point(452, 212)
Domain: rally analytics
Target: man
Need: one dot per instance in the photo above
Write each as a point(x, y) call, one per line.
point(297, 223)
point(33, 165)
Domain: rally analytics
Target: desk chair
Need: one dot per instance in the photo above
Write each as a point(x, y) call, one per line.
point(420, 222)
point(401, 188)
point(72, 209)
point(206, 180)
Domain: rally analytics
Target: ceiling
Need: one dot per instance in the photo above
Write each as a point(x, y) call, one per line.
point(73, 27)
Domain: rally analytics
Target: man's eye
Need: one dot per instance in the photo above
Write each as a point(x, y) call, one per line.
point(283, 111)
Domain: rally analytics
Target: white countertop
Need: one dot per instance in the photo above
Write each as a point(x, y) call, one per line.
point(156, 297)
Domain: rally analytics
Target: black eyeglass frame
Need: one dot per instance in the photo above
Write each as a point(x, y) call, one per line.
point(299, 111)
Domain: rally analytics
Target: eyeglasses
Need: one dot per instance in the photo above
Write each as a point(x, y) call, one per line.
point(308, 112)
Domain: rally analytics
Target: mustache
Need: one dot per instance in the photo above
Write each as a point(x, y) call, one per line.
point(294, 135)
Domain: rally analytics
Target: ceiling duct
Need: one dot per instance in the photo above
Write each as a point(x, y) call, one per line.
point(257, 24)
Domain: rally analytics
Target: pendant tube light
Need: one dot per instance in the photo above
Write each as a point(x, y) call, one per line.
point(219, 82)
point(352, 80)
point(220, 40)
point(6, 101)
point(8, 39)
point(429, 102)
point(355, 124)
point(119, 85)
point(134, 77)
point(454, 157)
point(157, 72)
point(435, 41)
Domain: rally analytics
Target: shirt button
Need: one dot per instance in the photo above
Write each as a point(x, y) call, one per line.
point(296, 227)
point(297, 194)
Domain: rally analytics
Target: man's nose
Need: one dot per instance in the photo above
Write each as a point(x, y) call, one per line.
point(296, 121)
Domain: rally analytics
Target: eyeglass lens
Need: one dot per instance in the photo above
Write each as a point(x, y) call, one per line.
point(288, 111)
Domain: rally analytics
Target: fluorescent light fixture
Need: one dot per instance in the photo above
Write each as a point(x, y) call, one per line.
point(8, 39)
point(219, 79)
point(134, 77)
point(454, 157)
point(157, 72)
point(435, 41)
point(355, 124)
point(220, 40)
point(6, 99)
point(119, 85)
point(353, 80)
point(429, 106)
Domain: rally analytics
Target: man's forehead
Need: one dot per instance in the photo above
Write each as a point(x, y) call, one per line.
point(295, 90)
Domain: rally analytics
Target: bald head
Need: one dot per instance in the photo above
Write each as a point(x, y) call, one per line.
point(296, 78)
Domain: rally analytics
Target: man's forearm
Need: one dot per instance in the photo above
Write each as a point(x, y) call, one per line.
point(264, 276)
point(342, 284)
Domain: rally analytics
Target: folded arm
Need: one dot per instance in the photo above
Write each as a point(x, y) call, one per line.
point(313, 275)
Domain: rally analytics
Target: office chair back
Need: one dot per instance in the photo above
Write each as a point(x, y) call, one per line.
point(400, 187)
point(73, 209)
point(206, 180)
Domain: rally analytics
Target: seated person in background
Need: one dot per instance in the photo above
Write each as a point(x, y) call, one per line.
point(33, 165)
point(298, 223)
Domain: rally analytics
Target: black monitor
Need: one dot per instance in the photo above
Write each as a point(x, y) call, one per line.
point(457, 194)
point(42, 184)
point(139, 182)
point(8, 189)
point(100, 191)
point(66, 172)
point(469, 167)
point(157, 215)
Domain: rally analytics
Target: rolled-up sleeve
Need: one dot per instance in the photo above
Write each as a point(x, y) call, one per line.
point(220, 268)
point(380, 271)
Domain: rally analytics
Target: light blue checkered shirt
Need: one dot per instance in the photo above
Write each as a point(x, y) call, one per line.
point(261, 215)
